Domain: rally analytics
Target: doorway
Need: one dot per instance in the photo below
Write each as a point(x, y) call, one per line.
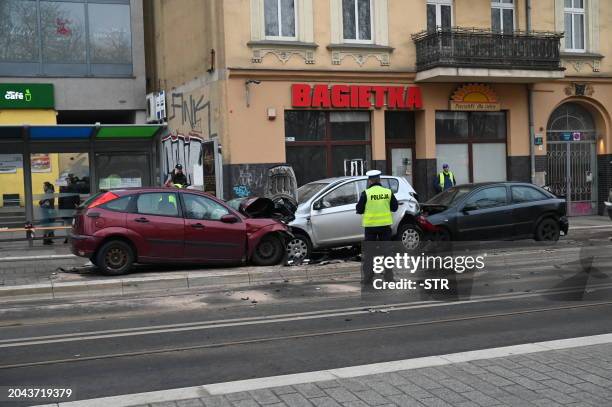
point(572, 158)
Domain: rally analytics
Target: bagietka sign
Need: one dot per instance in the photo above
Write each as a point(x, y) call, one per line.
point(356, 96)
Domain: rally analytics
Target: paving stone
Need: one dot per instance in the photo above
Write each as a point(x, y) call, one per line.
point(246, 403)
point(328, 384)
point(421, 381)
point(283, 390)
point(371, 397)
point(480, 398)
point(557, 396)
point(356, 403)
point(384, 388)
point(560, 386)
point(435, 402)
point(531, 374)
point(456, 385)
point(393, 379)
point(448, 395)
point(215, 401)
point(242, 395)
point(309, 390)
point(353, 385)
point(564, 377)
point(295, 400)
point(546, 403)
point(163, 404)
point(341, 394)
point(405, 401)
point(190, 403)
point(264, 396)
point(528, 383)
point(522, 392)
point(416, 392)
point(324, 402)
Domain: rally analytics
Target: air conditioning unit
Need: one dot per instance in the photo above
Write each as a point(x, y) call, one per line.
point(151, 114)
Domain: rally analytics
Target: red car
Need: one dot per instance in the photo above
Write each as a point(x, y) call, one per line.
point(117, 228)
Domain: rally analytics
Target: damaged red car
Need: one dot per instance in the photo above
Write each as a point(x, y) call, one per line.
point(118, 228)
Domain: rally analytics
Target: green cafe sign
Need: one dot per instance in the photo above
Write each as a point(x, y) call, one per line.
point(26, 96)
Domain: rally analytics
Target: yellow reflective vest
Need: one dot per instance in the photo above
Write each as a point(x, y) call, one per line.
point(378, 207)
point(451, 177)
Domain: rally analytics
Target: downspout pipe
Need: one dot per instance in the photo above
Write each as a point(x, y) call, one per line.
point(530, 107)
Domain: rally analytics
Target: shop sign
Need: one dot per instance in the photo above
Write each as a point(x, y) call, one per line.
point(10, 162)
point(356, 96)
point(577, 136)
point(566, 136)
point(41, 163)
point(474, 97)
point(26, 96)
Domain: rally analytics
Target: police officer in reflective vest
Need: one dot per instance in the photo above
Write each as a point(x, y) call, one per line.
point(445, 179)
point(376, 204)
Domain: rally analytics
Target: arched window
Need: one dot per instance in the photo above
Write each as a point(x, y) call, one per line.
point(569, 118)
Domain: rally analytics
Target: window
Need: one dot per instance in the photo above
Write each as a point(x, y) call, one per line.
point(526, 194)
point(357, 20)
point(18, 28)
point(439, 14)
point(344, 195)
point(280, 18)
point(400, 126)
point(199, 207)
point(63, 32)
point(119, 205)
point(159, 203)
point(322, 144)
point(110, 38)
point(502, 16)
point(574, 25)
point(488, 198)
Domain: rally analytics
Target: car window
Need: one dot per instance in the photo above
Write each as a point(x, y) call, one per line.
point(344, 195)
point(157, 203)
point(390, 183)
point(450, 196)
point(305, 192)
point(202, 208)
point(523, 193)
point(488, 198)
point(120, 205)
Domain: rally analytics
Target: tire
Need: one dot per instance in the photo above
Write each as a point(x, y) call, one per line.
point(548, 230)
point(299, 248)
point(93, 260)
point(269, 251)
point(410, 235)
point(115, 258)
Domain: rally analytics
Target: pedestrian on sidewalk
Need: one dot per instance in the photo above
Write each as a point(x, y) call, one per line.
point(47, 208)
point(444, 179)
point(376, 204)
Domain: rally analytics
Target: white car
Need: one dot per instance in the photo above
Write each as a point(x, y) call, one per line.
point(326, 217)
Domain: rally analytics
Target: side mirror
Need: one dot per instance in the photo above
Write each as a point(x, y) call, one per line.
point(229, 218)
point(469, 207)
point(317, 206)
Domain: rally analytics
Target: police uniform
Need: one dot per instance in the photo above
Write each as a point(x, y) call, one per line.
point(376, 204)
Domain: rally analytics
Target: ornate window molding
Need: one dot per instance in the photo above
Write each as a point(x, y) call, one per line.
point(360, 53)
point(303, 45)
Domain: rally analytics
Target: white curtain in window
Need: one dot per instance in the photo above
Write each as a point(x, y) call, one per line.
point(280, 18)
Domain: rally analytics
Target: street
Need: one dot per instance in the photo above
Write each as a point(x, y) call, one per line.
point(110, 346)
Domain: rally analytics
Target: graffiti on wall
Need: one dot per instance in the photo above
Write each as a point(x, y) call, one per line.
point(190, 113)
point(263, 180)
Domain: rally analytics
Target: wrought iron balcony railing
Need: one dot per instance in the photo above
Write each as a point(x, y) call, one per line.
point(477, 48)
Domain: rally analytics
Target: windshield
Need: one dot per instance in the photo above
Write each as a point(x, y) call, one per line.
point(307, 191)
point(449, 197)
point(235, 203)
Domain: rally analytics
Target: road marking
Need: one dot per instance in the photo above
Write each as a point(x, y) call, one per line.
point(332, 374)
point(47, 257)
point(195, 326)
point(591, 227)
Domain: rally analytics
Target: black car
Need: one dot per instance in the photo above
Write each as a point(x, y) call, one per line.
point(497, 211)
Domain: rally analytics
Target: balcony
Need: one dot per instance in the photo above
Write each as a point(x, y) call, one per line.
point(468, 54)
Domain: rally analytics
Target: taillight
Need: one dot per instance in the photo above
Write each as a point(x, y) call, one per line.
point(425, 224)
point(102, 199)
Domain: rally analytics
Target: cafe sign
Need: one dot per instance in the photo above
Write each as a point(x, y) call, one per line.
point(356, 96)
point(474, 97)
point(26, 96)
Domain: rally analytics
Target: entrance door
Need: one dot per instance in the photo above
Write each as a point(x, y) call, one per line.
point(571, 173)
point(401, 163)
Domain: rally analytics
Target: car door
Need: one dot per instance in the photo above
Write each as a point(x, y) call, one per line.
point(527, 205)
point(336, 222)
point(207, 238)
point(485, 215)
point(158, 221)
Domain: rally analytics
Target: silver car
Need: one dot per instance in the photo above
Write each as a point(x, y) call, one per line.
point(326, 216)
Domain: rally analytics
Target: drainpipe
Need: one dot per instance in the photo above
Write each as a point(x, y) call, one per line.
point(530, 107)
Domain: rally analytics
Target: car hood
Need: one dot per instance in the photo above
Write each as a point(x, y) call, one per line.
point(432, 209)
point(259, 207)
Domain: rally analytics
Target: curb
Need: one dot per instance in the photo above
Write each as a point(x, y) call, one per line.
point(40, 258)
point(213, 279)
point(217, 389)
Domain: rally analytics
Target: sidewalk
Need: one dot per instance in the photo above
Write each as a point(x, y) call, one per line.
point(571, 372)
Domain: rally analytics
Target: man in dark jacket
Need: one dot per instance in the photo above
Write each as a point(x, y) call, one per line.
point(445, 179)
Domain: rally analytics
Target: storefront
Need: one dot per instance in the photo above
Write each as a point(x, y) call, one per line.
point(63, 164)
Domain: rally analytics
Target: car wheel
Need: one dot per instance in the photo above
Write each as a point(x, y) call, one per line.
point(94, 260)
point(269, 251)
point(410, 236)
point(299, 248)
point(548, 230)
point(115, 258)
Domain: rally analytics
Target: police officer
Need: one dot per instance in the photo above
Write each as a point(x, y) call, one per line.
point(375, 204)
point(445, 179)
point(177, 176)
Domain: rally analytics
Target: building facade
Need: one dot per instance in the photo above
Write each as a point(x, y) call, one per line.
point(72, 104)
point(499, 89)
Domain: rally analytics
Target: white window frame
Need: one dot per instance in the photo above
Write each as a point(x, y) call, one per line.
point(280, 27)
point(499, 7)
point(372, 28)
point(576, 11)
point(439, 4)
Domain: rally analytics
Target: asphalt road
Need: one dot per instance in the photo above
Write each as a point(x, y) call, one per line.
point(111, 346)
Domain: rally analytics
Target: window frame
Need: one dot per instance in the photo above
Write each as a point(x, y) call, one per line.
point(499, 8)
point(438, 4)
point(280, 27)
point(372, 30)
point(573, 12)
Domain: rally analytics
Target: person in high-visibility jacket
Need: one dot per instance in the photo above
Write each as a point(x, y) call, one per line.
point(376, 204)
point(444, 179)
